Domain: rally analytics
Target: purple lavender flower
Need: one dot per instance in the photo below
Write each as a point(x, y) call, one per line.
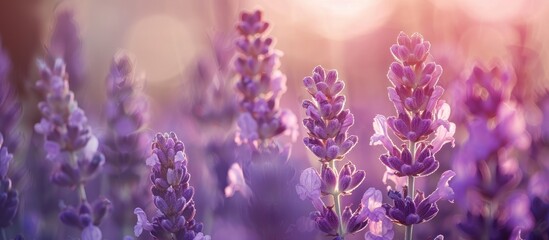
point(214, 105)
point(124, 144)
point(260, 83)
point(125, 111)
point(537, 187)
point(71, 145)
point(420, 115)
point(420, 112)
point(9, 199)
point(488, 174)
point(10, 108)
point(328, 124)
point(173, 196)
point(263, 160)
point(421, 209)
point(213, 100)
point(68, 137)
point(65, 43)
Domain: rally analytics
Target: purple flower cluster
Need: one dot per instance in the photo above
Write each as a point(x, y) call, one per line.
point(173, 196)
point(10, 108)
point(328, 123)
point(421, 209)
point(232, 105)
point(262, 175)
point(420, 114)
point(124, 145)
point(328, 138)
point(488, 172)
point(9, 198)
point(70, 144)
point(260, 83)
point(537, 187)
point(125, 111)
point(215, 104)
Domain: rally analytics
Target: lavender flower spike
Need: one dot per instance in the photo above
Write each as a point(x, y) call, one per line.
point(328, 124)
point(420, 114)
point(488, 175)
point(124, 145)
point(69, 139)
point(261, 83)
point(173, 196)
point(9, 200)
point(126, 106)
point(69, 143)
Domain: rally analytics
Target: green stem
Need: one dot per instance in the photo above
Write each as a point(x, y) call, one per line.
point(411, 187)
point(411, 192)
point(82, 192)
point(337, 205)
point(81, 189)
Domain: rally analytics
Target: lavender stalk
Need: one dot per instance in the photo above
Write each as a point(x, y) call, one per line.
point(261, 84)
point(124, 143)
point(262, 174)
point(489, 175)
point(328, 139)
point(71, 145)
point(420, 115)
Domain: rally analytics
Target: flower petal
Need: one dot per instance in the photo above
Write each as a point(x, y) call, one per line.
point(309, 184)
point(237, 183)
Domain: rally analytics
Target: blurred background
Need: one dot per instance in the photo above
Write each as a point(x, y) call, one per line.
point(172, 40)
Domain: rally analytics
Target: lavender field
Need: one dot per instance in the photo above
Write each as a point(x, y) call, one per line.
point(274, 120)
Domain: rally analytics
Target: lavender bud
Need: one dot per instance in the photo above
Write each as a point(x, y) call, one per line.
point(329, 180)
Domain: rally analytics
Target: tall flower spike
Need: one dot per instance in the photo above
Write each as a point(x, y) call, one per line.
point(172, 194)
point(263, 159)
point(213, 102)
point(70, 143)
point(260, 83)
point(124, 144)
point(328, 123)
point(10, 108)
point(488, 174)
point(9, 199)
point(421, 123)
point(125, 111)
